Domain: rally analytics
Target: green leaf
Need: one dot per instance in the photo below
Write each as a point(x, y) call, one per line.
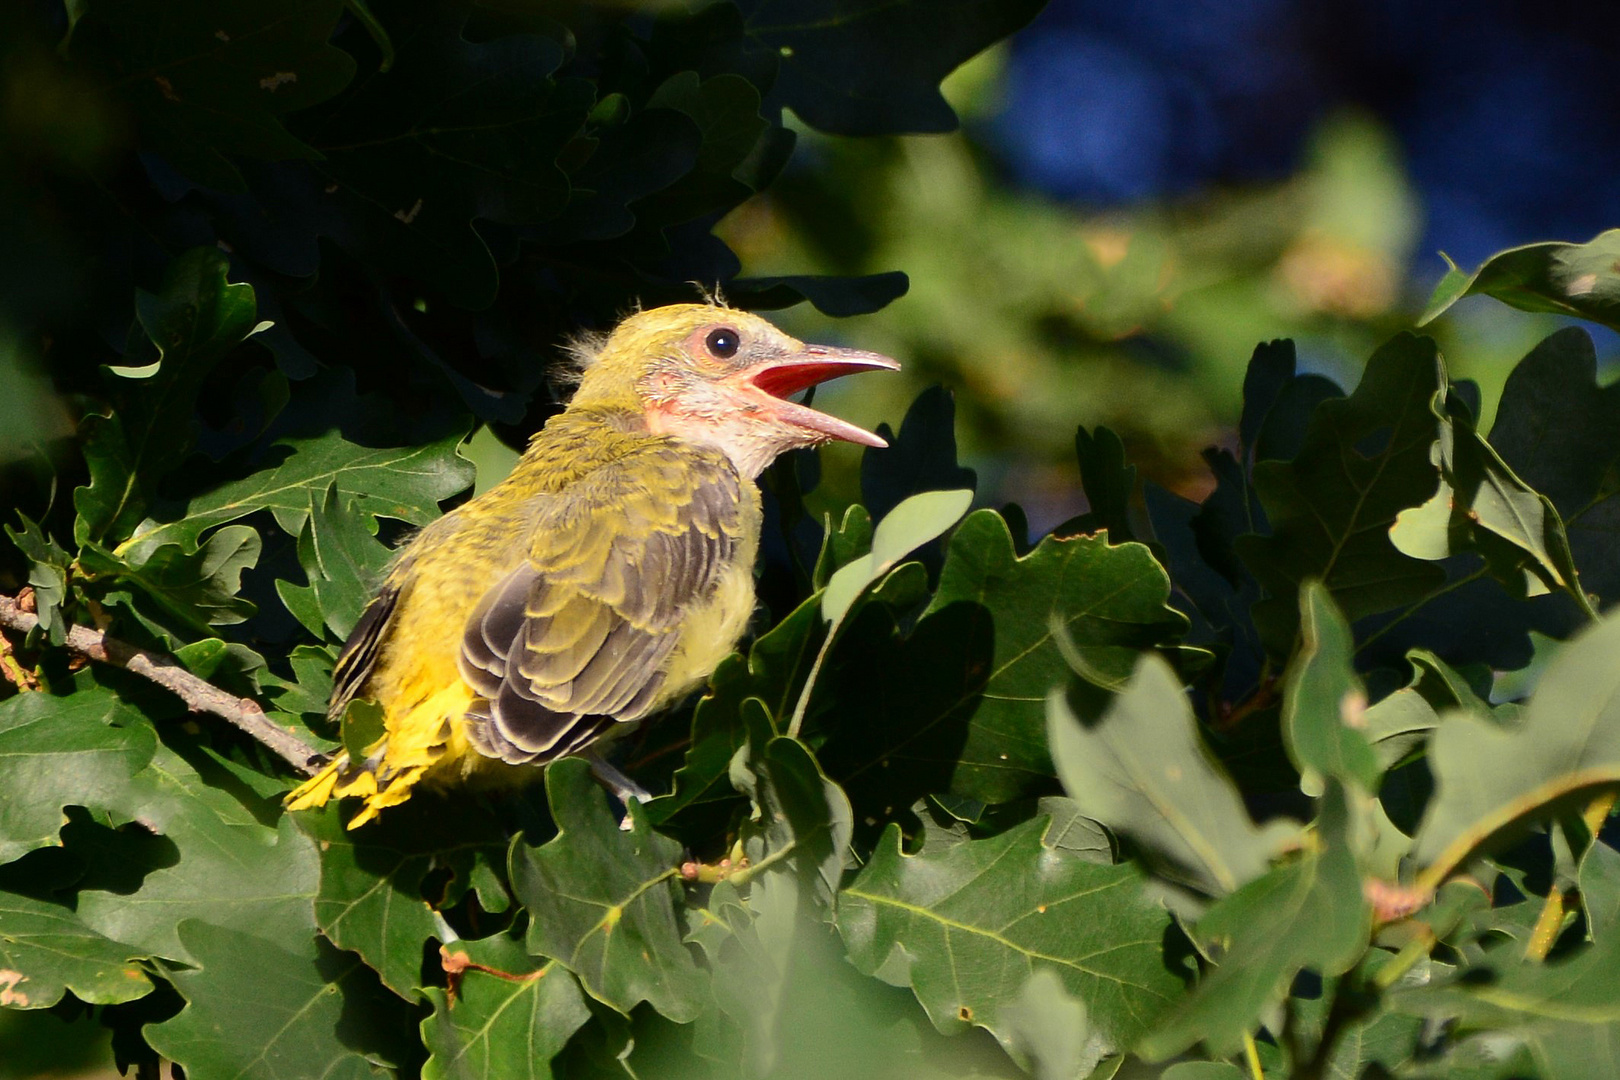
point(1307, 913)
point(263, 1011)
point(1489, 775)
point(752, 945)
point(907, 527)
point(1324, 706)
point(602, 900)
point(92, 750)
point(1402, 722)
point(342, 559)
point(232, 873)
point(1203, 1070)
point(215, 83)
point(372, 899)
point(1047, 1030)
point(1562, 278)
point(1109, 483)
point(922, 457)
point(801, 819)
point(958, 705)
point(47, 575)
point(86, 749)
point(1482, 505)
point(1560, 431)
point(772, 673)
point(45, 951)
point(842, 543)
point(456, 130)
point(510, 1016)
point(873, 67)
point(1365, 458)
point(1143, 771)
point(197, 588)
point(1565, 1013)
point(194, 320)
point(405, 483)
point(967, 927)
point(1600, 889)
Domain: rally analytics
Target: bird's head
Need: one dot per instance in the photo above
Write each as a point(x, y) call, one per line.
point(722, 378)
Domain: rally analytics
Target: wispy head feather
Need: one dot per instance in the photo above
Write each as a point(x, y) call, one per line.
point(579, 351)
point(714, 297)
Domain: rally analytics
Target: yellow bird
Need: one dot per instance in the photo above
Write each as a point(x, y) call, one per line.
point(603, 579)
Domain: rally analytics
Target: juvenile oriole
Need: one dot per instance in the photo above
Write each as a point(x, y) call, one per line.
point(603, 579)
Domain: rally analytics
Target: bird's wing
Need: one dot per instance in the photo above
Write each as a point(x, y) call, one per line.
point(575, 638)
point(359, 655)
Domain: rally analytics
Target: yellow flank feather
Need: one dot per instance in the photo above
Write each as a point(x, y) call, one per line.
point(599, 582)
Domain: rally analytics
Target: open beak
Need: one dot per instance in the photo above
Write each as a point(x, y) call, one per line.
point(776, 380)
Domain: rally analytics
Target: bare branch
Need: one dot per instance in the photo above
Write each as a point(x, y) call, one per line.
point(199, 696)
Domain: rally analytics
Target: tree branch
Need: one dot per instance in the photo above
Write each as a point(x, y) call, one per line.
point(199, 696)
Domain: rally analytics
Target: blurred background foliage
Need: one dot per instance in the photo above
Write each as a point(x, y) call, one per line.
point(1141, 192)
point(1137, 195)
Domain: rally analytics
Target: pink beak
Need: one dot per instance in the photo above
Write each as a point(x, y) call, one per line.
point(776, 380)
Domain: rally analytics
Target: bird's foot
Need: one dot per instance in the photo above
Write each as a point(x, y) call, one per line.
point(623, 788)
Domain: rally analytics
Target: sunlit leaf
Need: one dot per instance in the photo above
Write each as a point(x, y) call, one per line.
point(602, 900)
point(967, 927)
point(1142, 770)
point(1489, 775)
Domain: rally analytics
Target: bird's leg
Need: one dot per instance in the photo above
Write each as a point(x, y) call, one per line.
point(623, 788)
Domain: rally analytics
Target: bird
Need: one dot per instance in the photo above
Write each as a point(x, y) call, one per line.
point(602, 580)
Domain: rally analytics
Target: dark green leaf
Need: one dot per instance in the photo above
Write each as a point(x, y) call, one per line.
point(801, 819)
point(1365, 459)
point(602, 900)
point(921, 458)
point(967, 927)
point(773, 673)
point(1109, 484)
point(1560, 431)
point(839, 297)
point(45, 951)
point(1307, 913)
point(262, 1011)
point(371, 898)
point(342, 559)
point(1482, 505)
point(193, 321)
point(509, 1017)
point(207, 83)
point(196, 588)
point(456, 130)
point(1489, 775)
point(873, 67)
point(405, 483)
point(1143, 771)
point(1567, 279)
point(1324, 706)
point(47, 574)
point(87, 749)
point(959, 704)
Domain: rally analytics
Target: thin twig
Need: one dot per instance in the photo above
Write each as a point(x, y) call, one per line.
point(199, 696)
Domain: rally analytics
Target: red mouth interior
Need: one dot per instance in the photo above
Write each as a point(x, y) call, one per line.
point(785, 380)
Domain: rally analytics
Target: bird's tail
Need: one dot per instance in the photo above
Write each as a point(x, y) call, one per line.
point(429, 734)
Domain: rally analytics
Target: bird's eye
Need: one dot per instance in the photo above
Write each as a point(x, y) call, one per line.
point(723, 343)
